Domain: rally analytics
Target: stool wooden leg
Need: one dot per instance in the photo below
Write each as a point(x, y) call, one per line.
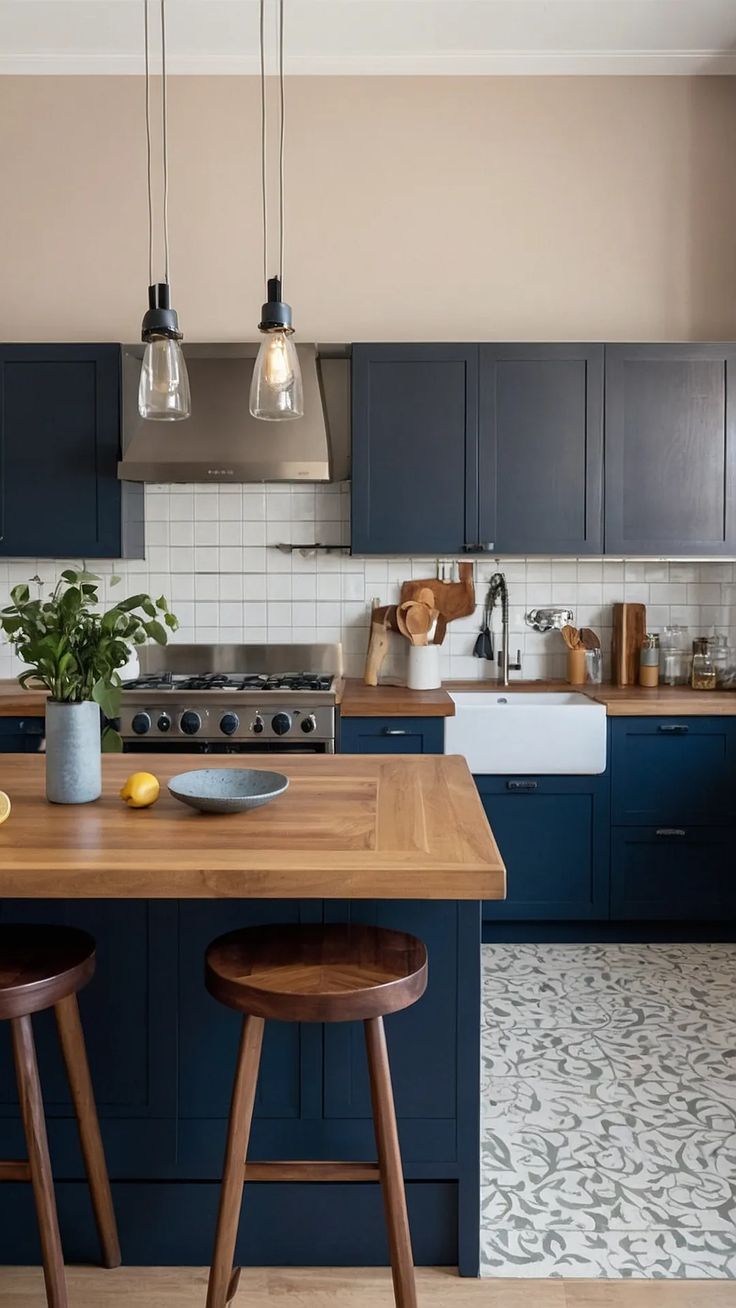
point(73, 1048)
point(389, 1159)
point(34, 1124)
point(223, 1280)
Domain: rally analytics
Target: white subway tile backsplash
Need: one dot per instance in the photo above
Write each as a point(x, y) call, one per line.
point(207, 552)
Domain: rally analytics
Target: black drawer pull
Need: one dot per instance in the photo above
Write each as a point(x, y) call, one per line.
point(669, 833)
point(394, 731)
point(525, 786)
point(673, 729)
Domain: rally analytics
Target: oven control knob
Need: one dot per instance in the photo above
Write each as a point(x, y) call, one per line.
point(256, 725)
point(281, 723)
point(229, 723)
point(190, 722)
point(309, 723)
point(141, 723)
point(164, 722)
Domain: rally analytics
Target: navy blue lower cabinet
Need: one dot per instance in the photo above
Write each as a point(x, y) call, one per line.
point(672, 771)
point(21, 735)
point(162, 1054)
point(672, 873)
point(392, 735)
point(553, 834)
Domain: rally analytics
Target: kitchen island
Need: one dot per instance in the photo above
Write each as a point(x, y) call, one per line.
point(399, 841)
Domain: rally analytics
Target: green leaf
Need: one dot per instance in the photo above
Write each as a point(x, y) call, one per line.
point(70, 576)
point(108, 698)
point(156, 632)
point(112, 741)
point(162, 604)
point(20, 594)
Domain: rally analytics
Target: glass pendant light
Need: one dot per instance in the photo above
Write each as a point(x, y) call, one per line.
point(276, 392)
point(163, 392)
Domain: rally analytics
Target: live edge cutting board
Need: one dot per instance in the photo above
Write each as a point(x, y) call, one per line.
point(629, 630)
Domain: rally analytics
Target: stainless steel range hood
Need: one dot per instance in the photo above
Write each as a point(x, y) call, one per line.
point(221, 442)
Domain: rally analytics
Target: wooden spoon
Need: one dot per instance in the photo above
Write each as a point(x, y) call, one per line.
point(589, 638)
point(401, 610)
point(571, 637)
point(418, 619)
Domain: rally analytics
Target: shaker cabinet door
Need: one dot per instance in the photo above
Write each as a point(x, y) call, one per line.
point(59, 448)
point(670, 449)
point(415, 435)
point(541, 448)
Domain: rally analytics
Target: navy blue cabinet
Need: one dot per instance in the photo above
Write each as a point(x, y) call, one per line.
point(21, 735)
point(673, 772)
point(553, 836)
point(59, 450)
point(673, 873)
point(670, 449)
point(541, 448)
point(392, 735)
point(415, 449)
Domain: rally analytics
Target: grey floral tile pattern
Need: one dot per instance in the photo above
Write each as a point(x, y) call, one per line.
point(609, 1111)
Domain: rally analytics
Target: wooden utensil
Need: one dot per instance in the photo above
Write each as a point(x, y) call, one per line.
point(629, 630)
point(418, 619)
point(452, 599)
point(571, 637)
point(401, 618)
point(589, 638)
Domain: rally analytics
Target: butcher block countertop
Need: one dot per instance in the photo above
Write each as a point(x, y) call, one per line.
point(349, 827)
point(360, 701)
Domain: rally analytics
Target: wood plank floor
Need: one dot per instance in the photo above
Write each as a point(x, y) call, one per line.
point(131, 1287)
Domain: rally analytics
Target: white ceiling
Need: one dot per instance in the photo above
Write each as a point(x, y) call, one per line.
point(380, 36)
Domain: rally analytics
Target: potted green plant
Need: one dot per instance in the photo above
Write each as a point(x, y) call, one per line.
point(75, 649)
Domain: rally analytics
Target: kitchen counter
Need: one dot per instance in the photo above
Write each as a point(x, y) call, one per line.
point(403, 827)
point(397, 841)
point(359, 700)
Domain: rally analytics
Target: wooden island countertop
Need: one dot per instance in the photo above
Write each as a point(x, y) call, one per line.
point(349, 827)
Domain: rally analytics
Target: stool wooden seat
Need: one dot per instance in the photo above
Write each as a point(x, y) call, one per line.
point(44, 967)
point(314, 973)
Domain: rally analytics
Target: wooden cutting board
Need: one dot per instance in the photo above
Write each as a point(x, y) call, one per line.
point(452, 599)
point(629, 630)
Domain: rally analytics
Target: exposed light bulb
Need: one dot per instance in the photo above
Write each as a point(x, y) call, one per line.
point(163, 392)
point(276, 391)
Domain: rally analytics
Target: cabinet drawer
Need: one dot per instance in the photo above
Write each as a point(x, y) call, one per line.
point(392, 736)
point(553, 836)
point(673, 872)
point(673, 771)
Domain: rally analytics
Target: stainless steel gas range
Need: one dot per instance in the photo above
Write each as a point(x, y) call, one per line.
point(232, 699)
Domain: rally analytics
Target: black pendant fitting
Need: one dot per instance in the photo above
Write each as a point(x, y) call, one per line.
point(160, 319)
point(275, 313)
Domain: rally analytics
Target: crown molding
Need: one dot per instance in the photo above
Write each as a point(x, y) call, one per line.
point(459, 63)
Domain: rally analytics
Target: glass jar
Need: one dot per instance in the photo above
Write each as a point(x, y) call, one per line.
point(649, 661)
point(703, 675)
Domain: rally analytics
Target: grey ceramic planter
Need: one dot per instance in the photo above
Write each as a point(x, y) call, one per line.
point(73, 753)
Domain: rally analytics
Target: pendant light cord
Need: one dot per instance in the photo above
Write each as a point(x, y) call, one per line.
point(164, 144)
point(264, 137)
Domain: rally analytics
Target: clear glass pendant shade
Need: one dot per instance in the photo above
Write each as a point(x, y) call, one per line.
point(163, 393)
point(276, 391)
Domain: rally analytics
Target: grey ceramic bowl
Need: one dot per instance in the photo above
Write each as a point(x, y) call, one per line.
point(227, 790)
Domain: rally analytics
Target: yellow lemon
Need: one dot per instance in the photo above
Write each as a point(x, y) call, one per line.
point(4, 807)
point(141, 790)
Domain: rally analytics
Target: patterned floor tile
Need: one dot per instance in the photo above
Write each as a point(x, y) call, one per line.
point(653, 1254)
point(609, 1110)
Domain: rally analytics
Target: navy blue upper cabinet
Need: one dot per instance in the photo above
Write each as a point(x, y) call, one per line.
point(415, 449)
point(670, 449)
point(59, 449)
point(541, 448)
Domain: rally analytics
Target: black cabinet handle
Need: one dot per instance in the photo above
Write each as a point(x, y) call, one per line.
point(526, 787)
point(671, 833)
point(673, 729)
point(485, 547)
point(394, 731)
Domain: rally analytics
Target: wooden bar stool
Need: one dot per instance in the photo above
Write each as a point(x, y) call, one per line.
point(314, 974)
point(44, 967)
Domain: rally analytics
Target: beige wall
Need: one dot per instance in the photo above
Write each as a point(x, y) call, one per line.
point(599, 208)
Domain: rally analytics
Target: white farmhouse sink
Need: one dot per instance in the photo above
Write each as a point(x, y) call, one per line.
point(502, 731)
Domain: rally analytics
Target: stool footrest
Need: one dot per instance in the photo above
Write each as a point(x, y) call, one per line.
point(10, 1170)
point(312, 1171)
